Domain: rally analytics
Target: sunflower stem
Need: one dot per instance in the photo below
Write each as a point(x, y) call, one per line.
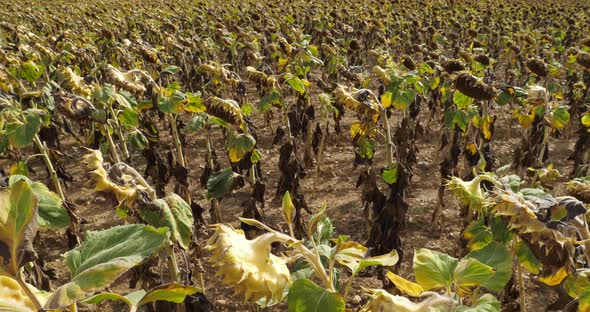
point(215, 211)
point(388, 142)
point(120, 133)
point(112, 145)
point(52, 173)
point(28, 291)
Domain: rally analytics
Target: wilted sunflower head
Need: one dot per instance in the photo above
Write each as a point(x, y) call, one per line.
point(580, 189)
point(583, 59)
point(354, 45)
point(483, 59)
point(227, 110)
point(466, 56)
point(528, 39)
point(247, 264)
point(452, 66)
point(468, 192)
point(474, 87)
point(73, 82)
point(408, 62)
point(133, 81)
point(120, 179)
point(538, 67)
point(571, 51)
point(580, 85)
point(515, 48)
point(472, 32)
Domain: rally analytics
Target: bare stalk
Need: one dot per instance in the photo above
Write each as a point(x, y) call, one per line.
point(54, 179)
point(388, 142)
point(120, 133)
point(216, 212)
point(28, 291)
point(177, 143)
point(582, 228)
point(522, 294)
point(112, 145)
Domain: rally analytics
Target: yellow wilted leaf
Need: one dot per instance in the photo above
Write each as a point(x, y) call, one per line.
point(386, 99)
point(484, 123)
point(471, 148)
point(526, 120)
point(555, 278)
point(357, 128)
point(586, 120)
point(283, 61)
point(434, 83)
point(407, 287)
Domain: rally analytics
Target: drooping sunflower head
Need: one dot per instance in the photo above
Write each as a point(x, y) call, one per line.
point(483, 59)
point(124, 186)
point(538, 67)
point(583, 59)
point(454, 65)
point(579, 188)
point(408, 62)
point(474, 87)
point(247, 264)
point(131, 81)
point(227, 110)
point(73, 82)
point(468, 192)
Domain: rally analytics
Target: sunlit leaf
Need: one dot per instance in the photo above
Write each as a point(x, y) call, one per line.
point(51, 213)
point(194, 103)
point(404, 99)
point(477, 234)
point(576, 284)
point(461, 100)
point(454, 119)
point(19, 168)
point(103, 257)
point(386, 99)
point(295, 83)
point(470, 273)
point(305, 295)
point(30, 71)
point(407, 287)
point(21, 134)
point(390, 175)
point(434, 270)
point(172, 292)
point(559, 117)
point(18, 226)
point(498, 258)
point(555, 278)
point(485, 303)
point(238, 145)
point(172, 212)
point(220, 183)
